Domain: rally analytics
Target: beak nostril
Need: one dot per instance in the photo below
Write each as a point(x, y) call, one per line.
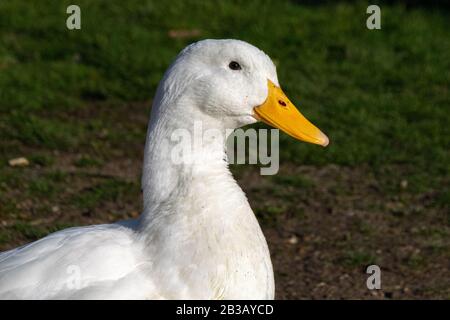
point(282, 103)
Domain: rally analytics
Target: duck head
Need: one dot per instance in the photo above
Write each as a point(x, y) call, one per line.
point(229, 84)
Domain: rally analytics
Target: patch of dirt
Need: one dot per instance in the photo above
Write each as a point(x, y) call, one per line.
point(345, 224)
point(321, 239)
point(323, 225)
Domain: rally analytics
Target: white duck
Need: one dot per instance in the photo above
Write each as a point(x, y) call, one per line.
point(197, 237)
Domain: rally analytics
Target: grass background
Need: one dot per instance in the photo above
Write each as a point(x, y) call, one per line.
point(76, 103)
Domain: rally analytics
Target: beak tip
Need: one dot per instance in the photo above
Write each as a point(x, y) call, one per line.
point(325, 140)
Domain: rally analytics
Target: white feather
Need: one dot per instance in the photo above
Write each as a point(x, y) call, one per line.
point(197, 237)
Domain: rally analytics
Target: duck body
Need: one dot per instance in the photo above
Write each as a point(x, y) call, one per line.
point(116, 261)
point(219, 252)
point(197, 237)
point(94, 262)
point(202, 242)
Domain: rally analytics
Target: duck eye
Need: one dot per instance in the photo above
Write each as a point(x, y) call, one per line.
point(234, 65)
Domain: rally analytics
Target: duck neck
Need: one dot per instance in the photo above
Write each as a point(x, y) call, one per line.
point(183, 160)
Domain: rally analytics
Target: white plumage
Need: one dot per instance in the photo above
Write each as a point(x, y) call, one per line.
point(88, 262)
point(197, 237)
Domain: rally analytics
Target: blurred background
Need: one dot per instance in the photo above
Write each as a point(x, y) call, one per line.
point(75, 105)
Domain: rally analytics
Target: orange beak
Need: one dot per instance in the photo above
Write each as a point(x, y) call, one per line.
point(279, 112)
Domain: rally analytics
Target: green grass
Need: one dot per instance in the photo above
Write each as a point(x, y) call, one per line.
point(296, 181)
point(43, 160)
point(381, 96)
point(269, 215)
point(357, 258)
point(87, 161)
point(31, 232)
point(109, 190)
point(47, 185)
point(416, 261)
point(41, 132)
point(76, 103)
